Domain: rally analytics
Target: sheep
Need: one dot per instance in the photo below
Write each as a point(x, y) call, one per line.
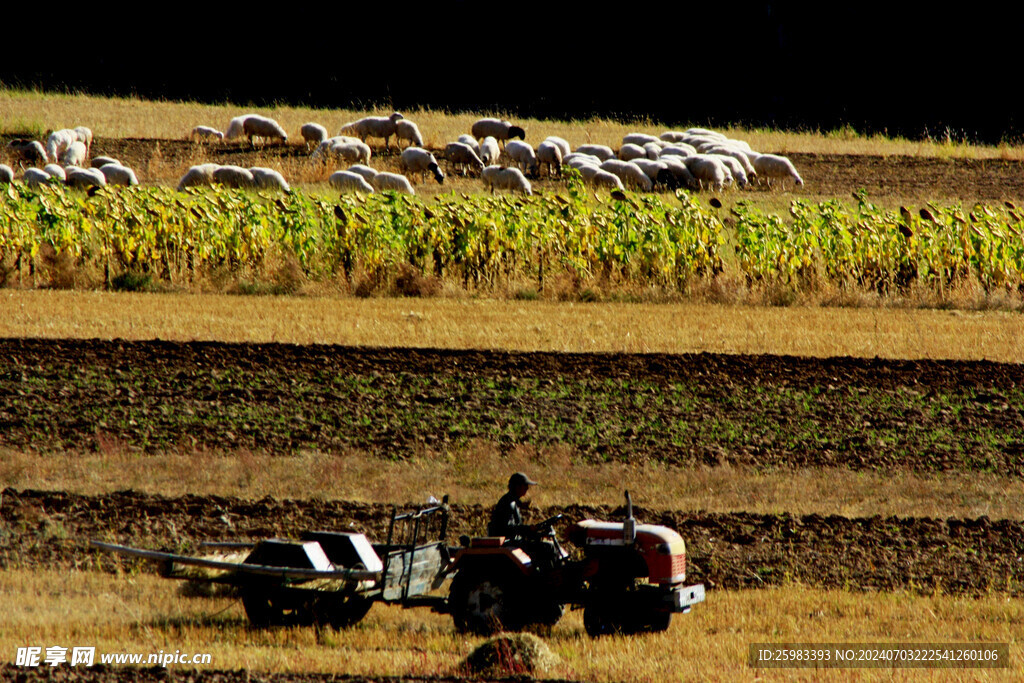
point(653, 150)
point(256, 126)
point(365, 172)
point(236, 127)
point(705, 133)
point(116, 174)
point(602, 152)
point(707, 170)
point(28, 151)
point(233, 176)
point(629, 173)
point(574, 157)
point(408, 131)
point(55, 171)
point(657, 171)
point(419, 160)
point(201, 175)
point(631, 151)
point(6, 174)
point(98, 162)
point(58, 142)
point(468, 139)
point(269, 179)
point(522, 154)
point(460, 155)
point(496, 177)
point(201, 132)
point(742, 157)
point(349, 152)
point(374, 127)
point(313, 133)
point(607, 180)
point(75, 154)
point(561, 143)
point(324, 148)
point(34, 177)
point(347, 181)
point(85, 178)
point(497, 129)
point(638, 139)
point(83, 135)
point(672, 136)
point(735, 168)
point(489, 151)
point(392, 181)
point(550, 154)
point(678, 169)
point(769, 166)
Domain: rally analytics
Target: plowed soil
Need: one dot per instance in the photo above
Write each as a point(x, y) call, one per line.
point(703, 409)
point(736, 550)
point(905, 177)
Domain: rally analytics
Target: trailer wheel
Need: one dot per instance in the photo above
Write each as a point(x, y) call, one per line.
point(265, 609)
point(341, 611)
point(485, 604)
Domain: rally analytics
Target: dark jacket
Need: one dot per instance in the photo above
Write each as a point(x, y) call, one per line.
point(506, 519)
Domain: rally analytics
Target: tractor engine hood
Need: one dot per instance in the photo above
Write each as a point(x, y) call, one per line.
point(662, 549)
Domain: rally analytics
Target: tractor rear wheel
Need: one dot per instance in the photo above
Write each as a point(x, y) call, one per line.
point(486, 604)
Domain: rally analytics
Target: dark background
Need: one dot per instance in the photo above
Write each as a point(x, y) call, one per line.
point(914, 71)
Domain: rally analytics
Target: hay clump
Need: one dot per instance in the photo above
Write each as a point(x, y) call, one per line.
point(512, 653)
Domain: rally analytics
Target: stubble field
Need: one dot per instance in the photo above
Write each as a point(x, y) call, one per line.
point(848, 476)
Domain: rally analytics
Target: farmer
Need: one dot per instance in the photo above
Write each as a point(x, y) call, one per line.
point(506, 518)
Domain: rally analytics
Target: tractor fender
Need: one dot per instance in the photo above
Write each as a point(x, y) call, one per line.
point(492, 560)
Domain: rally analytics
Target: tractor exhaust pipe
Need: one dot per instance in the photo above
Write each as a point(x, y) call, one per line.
point(629, 526)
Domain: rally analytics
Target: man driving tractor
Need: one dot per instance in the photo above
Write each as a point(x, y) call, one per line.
point(506, 518)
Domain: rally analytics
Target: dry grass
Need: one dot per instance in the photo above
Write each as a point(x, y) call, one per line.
point(463, 322)
point(141, 613)
point(34, 112)
point(474, 475)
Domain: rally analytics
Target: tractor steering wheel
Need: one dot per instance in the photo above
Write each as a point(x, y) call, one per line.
point(546, 525)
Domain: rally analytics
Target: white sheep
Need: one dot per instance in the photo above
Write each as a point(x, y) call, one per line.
point(562, 143)
point(638, 139)
point(85, 178)
point(6, 174)
point(657, 171)
point(383, 182)
point(323, 150)
point(630, 151)
point(374, 127)
point(605, 179)
point(198, 176)
point(356, 151)
point(468, 139)
point(673, 136)
point(56, 171)
point(365, 172)
point(653, 150)
point(58, 142)
point(419, 160)
point(680, 149)
point(83, 135)
point(574, 157)
point(408, 131)
point(269, 179)
point(735, 168)
point(629, 173)
point(347, 181)
point(707, 171)
point(28, 151)
point(496, 177)
point(489, 151)
point(34, 177)
point(98, 162)
point(705, 133)
point(678, 169)
point(497, 129)
point(773, 166)
point(116, 174)
point(461, 156)
point(739, 155)
point(236, 127)
point(206, 132)
point(75, 154)
point(263, 127)
point(233, 176)
point(602, 152)
point(522, 153)
point(550, 154)
point(313, 134)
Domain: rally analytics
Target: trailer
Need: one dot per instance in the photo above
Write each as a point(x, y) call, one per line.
point(324, 577)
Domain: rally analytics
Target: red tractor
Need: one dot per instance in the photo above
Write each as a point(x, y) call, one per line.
point(630, 578)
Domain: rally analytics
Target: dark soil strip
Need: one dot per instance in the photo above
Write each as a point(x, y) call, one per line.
point(703, 409)
point(737, 550)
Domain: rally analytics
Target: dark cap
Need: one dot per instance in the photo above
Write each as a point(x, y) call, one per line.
point(520, 478)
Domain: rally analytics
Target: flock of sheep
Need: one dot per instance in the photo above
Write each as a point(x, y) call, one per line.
point(63, 160)
point(494, 150)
